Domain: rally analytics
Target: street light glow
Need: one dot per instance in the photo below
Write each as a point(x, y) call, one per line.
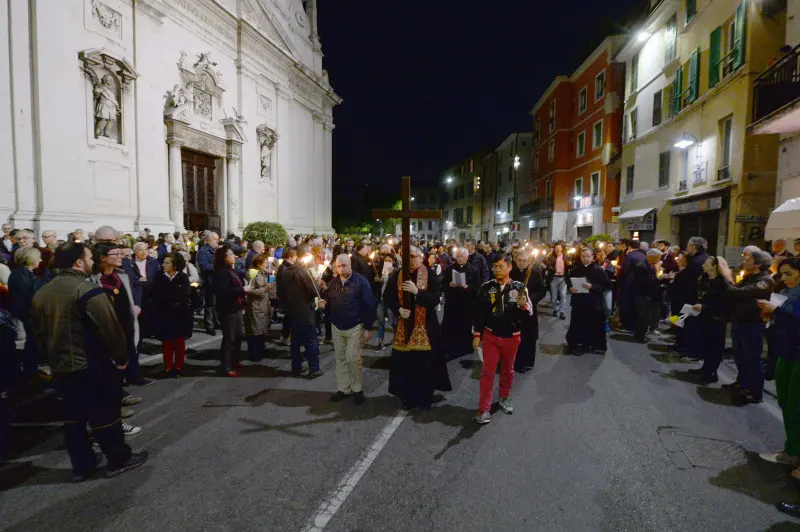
point(643, 36)
point(684, 143)
point(448, 179)
point(412, 198)
point(516, 162)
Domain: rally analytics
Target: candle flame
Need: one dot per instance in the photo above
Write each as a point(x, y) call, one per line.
point(307, 258)
point(614, 262)
point(571, 251)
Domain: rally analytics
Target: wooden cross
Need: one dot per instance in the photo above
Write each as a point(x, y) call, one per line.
point(406, 214)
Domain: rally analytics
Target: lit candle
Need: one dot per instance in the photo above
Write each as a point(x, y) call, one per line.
point(270, 259)
point(614, 263)
point(739, 277)
point(306, 259)
point(571, 251)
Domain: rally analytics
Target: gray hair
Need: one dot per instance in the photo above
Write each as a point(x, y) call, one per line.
point(462, 251)
point(644, 246)
point(412, 249)
point(762, 259)
point(344, 258)
point(207, 236)
point(698, 242)
point(257, 244)
point(654, 253)
point(140, 245)
point(751, 249)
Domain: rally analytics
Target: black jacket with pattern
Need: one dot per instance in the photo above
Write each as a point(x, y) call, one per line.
point(496, 308)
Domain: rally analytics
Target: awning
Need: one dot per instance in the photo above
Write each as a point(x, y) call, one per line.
point(638, 213)
point(784, 222)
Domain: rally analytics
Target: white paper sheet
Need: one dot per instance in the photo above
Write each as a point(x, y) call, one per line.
point(387, 269)
point(577, 284)
point(689, 311)
point(460, 279)
point(777, 300)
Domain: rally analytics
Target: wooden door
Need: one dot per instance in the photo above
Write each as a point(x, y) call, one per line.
point(200, 199)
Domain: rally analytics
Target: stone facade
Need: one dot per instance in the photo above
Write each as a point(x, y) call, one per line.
point(107, 98)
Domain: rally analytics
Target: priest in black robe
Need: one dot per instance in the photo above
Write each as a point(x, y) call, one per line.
point(525, 272)
point(418, 366)
point(459, 305)
point(587, 321)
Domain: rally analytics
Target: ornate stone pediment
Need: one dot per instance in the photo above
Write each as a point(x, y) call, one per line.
point(197, 99)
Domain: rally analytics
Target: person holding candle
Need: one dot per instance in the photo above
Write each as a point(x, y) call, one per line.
point(586, 327)
point(257, 307)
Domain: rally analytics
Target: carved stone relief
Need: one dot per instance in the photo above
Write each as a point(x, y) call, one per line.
point(266, 142)
point(103, 19)
point(110, 78)
point(197, 99)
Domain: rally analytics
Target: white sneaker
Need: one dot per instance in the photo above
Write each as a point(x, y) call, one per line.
point(130, 430)
point(482, 418)
point(506, 406)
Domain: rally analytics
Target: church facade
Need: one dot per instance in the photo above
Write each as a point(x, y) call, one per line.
point(166, 114)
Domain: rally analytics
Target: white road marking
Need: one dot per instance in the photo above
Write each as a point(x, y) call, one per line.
point(330, 506)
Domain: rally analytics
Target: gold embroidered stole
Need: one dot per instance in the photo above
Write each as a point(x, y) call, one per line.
point(418, 341)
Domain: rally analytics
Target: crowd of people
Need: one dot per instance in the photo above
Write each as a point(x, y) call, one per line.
point(82, 307)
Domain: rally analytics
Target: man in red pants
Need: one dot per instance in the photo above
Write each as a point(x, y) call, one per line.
point(501, 305)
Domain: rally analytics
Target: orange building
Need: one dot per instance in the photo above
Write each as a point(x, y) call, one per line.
point(577, 136)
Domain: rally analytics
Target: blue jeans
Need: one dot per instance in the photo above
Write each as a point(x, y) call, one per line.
point(558, 294)
point(747, 339)
point(380, 314)
point(607, 303)
point(305, 335)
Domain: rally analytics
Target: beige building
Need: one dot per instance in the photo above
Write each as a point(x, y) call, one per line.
point(688, 166)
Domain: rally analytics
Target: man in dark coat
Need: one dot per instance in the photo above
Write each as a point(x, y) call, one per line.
point(205, 265)
point(627, 307)
point(587, 321)
point(478, 261)
point(528, 274)
point(417, 367)
point(646, 295)
point(359, 261)
point(687, 288)
point(459, 304)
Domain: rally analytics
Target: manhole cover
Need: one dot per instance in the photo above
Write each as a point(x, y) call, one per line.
point(552, 349)
point(710, 453)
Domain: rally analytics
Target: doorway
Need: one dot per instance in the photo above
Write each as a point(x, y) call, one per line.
point(200, 205)
point(704, 224)
point(584, 232)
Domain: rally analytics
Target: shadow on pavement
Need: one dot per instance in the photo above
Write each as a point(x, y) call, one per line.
point(765, 481)
point(377, 362)
point(683, 376)
point(623, 338)
point(716, 396)
point(785, 526)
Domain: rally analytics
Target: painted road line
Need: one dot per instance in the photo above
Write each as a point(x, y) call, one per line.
point(330, 506)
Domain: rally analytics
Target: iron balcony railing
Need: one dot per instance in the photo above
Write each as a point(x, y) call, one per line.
point(777, 86)
point(536, 206)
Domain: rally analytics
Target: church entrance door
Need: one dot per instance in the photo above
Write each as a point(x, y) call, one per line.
point(200, 205)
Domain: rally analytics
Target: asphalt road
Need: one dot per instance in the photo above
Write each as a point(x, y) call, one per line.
point(615, 442)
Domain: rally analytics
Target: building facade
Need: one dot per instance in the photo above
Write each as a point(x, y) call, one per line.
point(511, 181)
point(463, 200)
point(422, 199)
point(577, 122)
point(488, 194)
point(776, 107)
point(688, 166)
point(199, 114)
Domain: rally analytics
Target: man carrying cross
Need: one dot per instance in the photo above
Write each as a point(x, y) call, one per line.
point(418, 367)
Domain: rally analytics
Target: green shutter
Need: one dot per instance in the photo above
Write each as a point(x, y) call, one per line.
point(676, 90)
point(694, 76)
point(691, 9)
point(738, 35)
point(670, 36)
point(713, 57)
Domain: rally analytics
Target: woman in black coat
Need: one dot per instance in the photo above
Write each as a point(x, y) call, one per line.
point(587, 321)
point(229, 290)
point(713, 306)
point(172, 312)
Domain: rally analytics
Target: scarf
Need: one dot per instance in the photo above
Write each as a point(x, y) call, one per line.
point(237, 282)
point(111, 282)
point(418, 341)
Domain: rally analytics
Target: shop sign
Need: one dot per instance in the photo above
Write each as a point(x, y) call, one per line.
point(751, 218)
point(584, 218)
point(710, 204)
point(645, 223)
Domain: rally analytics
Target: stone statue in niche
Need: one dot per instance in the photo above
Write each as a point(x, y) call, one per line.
point(266, 142)
point(110, 77)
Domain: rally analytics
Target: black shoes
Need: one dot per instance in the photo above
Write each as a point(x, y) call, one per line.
point(135, 460)
point(789, 509)
point(340, 396)
point(561, 316)
point(314, 374)
point(211, 332)
point(358, 398)
point(555, 313)
point(97, 466)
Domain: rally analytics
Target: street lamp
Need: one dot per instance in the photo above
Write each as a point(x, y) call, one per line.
point(685, 140)
point(448, 179)
point(516, 162)
point(643, 36)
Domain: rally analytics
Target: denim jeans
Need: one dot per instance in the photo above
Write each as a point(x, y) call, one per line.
point(607, 303)
point(304, 335)
point(381, 313)
point(558, 294)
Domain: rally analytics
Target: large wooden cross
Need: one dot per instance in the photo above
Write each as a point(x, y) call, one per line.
point(406, 214)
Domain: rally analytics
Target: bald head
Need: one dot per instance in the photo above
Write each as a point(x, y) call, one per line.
point(106, 233)
point(343, 267)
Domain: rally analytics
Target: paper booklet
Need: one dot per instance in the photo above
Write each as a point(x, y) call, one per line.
point(460, 279)
point(387, 269)
point(689, 311)
point(777, 300)
point(577, 284)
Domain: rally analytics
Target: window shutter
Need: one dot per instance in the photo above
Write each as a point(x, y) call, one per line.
point(738, 36)
point(713, 57)
point(694, 76)
point(670, 35)
point(676, 91)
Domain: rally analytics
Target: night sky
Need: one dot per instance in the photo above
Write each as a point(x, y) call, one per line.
point(426, 83)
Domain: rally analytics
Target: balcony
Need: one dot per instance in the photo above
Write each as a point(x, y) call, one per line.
point(537, 206)
point(584, 202)
point(776, 96)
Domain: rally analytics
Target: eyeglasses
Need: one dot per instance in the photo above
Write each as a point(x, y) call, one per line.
point(115, 253)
